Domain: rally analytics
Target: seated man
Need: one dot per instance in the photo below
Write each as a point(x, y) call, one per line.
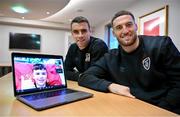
point(85, 52)
point(143, 67)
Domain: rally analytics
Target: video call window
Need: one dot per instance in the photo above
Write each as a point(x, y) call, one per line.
point(33, 73)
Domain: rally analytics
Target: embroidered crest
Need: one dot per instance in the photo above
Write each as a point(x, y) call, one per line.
point(87, 59)
point(146, 63)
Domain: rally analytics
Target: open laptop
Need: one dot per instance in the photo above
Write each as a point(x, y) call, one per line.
point(39, 81)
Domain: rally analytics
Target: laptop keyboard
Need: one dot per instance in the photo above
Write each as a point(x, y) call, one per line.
point(47, 94)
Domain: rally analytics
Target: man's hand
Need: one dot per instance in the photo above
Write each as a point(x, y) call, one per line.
point(120, 90)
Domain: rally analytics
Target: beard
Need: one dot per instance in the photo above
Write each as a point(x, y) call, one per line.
point(127, 40)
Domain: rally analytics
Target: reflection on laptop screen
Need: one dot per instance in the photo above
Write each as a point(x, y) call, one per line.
point(35, 74)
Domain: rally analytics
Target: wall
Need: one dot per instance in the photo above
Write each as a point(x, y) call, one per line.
point(52, 41)
point(145, 6)
point(100, 30)
point(55, 41)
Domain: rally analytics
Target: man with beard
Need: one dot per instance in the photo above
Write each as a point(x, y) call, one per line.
point(85, 51)
point(143, 67)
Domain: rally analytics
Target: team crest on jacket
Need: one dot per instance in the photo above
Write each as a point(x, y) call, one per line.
point(146, 63)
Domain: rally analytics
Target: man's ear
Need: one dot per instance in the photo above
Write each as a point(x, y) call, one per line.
point(90, 30)
point(136, 27)
point(113, 32)
point(71, 32)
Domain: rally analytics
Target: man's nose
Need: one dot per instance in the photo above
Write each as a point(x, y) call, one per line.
point(80, 34)
point(124, 30)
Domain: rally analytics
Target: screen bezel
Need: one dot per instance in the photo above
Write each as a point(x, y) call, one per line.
point(15, 54)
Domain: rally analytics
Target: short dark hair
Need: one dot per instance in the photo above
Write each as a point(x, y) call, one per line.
point(80, 19)
point(39, 67)
point(120, 13)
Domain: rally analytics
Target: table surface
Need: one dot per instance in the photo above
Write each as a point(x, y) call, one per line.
point(101, 104)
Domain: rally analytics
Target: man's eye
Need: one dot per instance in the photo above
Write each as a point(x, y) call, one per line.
point(75, 32)
point(84, 31)
point(129, 24)
point(118, 27)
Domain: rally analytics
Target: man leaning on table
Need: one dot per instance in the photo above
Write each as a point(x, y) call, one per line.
point(143, 67)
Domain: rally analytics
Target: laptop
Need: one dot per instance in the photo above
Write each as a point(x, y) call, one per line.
point(39, 81)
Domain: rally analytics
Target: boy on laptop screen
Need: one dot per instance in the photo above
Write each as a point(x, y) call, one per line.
point(37, 73)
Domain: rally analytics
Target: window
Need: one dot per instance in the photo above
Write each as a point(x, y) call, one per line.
point(112, 41)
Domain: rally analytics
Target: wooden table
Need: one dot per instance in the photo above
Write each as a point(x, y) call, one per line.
point(102, 104)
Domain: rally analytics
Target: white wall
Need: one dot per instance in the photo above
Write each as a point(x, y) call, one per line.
point(99, 31)
point(52, 41)
point(142, 7)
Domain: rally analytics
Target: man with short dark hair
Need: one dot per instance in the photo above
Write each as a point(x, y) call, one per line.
point(85, 51)
point(143, 67)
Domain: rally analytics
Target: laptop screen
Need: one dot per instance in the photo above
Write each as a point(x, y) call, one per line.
point(34, 72)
